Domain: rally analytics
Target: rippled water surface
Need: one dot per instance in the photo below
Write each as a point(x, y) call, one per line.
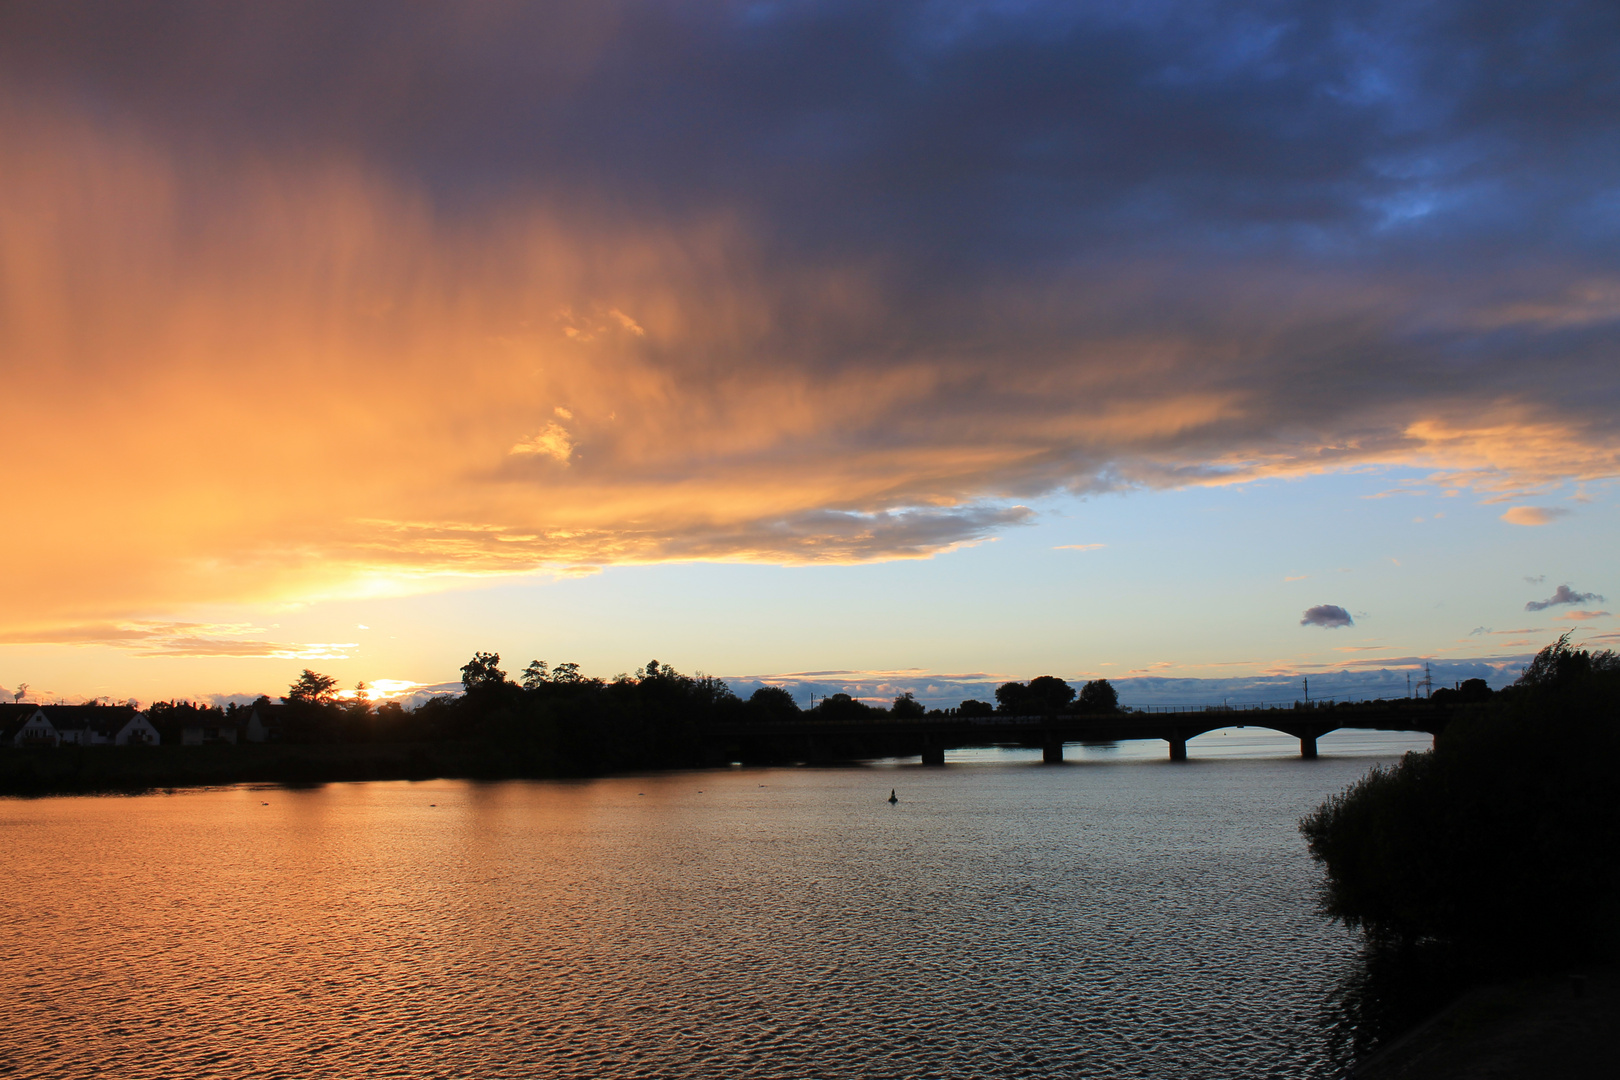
point(1118, 916)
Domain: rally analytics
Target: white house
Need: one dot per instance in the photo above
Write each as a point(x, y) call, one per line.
point(37, 730)
point(264, 722)
point(137, 731)
point(86, 725)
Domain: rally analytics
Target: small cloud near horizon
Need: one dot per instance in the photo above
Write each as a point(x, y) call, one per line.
point(1580, 616)
point(1535, 515)
point(1327, 616)
point(1562, 595)
point(1078, 547)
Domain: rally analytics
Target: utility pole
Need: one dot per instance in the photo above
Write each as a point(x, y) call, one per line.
point(1307, 688)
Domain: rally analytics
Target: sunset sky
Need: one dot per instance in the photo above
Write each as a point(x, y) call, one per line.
point(880, 347)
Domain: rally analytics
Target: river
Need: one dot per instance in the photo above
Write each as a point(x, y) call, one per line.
point(1117, 916)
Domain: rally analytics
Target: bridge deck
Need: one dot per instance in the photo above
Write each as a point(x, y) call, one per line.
point(933, 735)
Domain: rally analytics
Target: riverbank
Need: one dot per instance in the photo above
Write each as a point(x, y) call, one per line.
point(72, 770)
point(1542, 1027)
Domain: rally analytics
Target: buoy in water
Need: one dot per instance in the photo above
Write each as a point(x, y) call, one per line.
point(892, 797)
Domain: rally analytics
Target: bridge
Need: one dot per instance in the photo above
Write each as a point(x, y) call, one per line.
point(812, 738)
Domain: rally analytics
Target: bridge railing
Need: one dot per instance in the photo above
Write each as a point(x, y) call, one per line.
point(1250, 706)
point(1125, 716)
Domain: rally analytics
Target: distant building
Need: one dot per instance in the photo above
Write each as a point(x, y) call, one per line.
point(83, 725)
point(264, 721)
point(199, 733)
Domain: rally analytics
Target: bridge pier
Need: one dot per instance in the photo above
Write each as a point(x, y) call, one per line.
point(1052, 752)
point(1178, 749)
point(1307, 746)
point(933, 753)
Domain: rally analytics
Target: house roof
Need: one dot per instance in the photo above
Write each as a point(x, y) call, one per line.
point(108, 719)
point(16, 719)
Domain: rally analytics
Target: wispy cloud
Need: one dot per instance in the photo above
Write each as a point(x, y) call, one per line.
point(553, 442)
point(1534, 515)
point(180, 639)
point(1078, 547)
point(1580, 616)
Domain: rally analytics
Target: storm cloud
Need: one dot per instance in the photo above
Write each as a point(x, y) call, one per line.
point(1562, 595)
point(1327, 616)
point(474, 289)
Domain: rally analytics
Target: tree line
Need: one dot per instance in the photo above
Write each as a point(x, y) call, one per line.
point(559, 720)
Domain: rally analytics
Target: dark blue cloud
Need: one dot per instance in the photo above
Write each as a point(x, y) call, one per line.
point(1562, 595)
point(981, 131)
point(1327, 616)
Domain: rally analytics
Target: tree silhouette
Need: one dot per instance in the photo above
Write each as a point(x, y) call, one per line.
point(907, 707)
point(1012, 698)
point(1561, 665)
point(1099, 696)
point(482, 672)
point(773, 703)
point(842, 707)
point(1048, 694)
point(312, 689)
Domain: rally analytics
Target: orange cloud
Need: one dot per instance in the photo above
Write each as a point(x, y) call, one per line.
point(179, 639)
point(241, 379)
point(1534, 515)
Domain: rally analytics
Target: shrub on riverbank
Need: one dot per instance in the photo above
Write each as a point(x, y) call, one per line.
point(1500, 840)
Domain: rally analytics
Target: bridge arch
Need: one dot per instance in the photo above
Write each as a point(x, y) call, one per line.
point(1306, 733)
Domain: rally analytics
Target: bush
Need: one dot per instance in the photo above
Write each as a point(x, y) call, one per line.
point(1500, 839)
